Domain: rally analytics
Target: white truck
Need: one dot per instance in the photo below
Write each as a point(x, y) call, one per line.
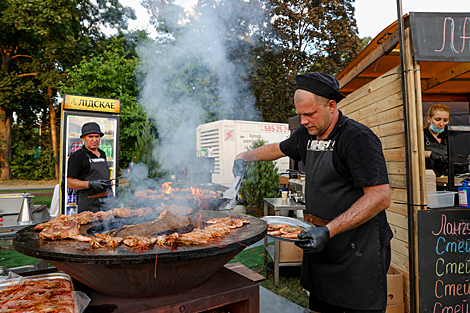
point(227, 138)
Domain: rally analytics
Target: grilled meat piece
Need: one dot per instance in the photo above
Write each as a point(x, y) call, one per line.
point(164, 223)
point(110, 241)
point(139, 242)
point(81, 218)
point(66, 230)
point(231, 222)
point(195, 237)
point(48, 295)
point(175, 209)
point(57, 220)
point(105, 215)
point(96, 242)
point(128, 212)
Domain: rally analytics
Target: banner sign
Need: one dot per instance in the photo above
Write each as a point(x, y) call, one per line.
point(444, 260)
point(441, 36)
point(94, 104)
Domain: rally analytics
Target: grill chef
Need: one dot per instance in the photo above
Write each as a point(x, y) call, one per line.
point(88, 171)
point(347, 256)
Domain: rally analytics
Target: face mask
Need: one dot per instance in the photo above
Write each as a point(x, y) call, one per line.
point(435, 129)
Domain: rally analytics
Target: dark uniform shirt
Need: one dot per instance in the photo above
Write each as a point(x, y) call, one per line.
point(431, 144)
point(357, 157)
point(79, 164)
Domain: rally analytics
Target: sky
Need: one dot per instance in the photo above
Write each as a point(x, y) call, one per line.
point(372, 16)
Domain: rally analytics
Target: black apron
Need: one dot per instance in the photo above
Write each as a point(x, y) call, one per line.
point(348, 272)
point(99, 169)
point(431, 144)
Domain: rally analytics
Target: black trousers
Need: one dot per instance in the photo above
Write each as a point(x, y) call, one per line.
point(318, 305)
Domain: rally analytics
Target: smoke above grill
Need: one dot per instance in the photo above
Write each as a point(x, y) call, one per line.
point(188, 77)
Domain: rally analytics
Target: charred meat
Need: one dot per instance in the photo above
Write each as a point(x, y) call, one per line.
point(164, 223)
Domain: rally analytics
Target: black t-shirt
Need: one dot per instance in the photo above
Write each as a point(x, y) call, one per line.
point(79, 163)
point(357, 157)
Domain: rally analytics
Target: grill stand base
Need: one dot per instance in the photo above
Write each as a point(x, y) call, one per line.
point(225, 290)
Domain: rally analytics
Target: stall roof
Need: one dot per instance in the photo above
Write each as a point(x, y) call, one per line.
point(447, 80)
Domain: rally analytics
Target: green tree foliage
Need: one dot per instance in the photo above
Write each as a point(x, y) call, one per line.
point(365, 41)
point(39, 39)
point(306, 36)
point(262, 181)
point(31, 161)
point(111, 75)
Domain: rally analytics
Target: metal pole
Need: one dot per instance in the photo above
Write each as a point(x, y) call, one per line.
point(409, 183)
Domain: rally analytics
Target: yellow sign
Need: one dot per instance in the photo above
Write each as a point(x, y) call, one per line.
point(95, 104)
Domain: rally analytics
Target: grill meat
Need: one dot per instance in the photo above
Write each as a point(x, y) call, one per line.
point(66, 230)
point(164, 223)
point(128, 212)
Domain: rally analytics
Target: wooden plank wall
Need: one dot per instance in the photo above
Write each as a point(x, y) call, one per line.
point(379, 105)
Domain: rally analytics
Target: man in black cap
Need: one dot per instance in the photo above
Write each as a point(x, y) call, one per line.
point(347, 256)
point(88, 171)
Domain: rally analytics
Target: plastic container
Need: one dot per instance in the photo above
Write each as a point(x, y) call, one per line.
point(441, 199)
point(464, 191)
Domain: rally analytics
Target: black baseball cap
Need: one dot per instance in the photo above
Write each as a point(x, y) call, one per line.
point(320, 84)
point(91, 128)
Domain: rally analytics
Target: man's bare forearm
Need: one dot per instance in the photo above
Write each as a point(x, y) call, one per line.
point(374, 200)
point(269, 152)
point(77, 184)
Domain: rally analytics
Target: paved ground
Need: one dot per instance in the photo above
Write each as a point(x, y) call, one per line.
point(269, 302)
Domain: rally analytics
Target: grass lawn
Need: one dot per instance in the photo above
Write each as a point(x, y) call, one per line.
point(289, 278)
point(15, 259)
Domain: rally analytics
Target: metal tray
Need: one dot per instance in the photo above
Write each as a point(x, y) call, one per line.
point(288, 221)
point(7, 283)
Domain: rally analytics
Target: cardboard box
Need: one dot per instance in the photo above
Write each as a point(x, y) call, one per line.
point(395, 308)
point(289, 252)
point(394, 286)
point(430, 181)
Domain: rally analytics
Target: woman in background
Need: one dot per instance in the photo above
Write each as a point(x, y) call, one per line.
point(435, 140)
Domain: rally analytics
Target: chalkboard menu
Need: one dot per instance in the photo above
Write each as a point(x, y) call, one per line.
point(444, 260)
point(441, 36)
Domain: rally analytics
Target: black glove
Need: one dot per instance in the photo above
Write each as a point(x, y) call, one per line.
point(100, 185)
point(317, 239)
point(439, 158)
point(239, 168)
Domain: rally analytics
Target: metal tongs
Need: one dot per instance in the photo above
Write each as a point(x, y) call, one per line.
point(232, 192)
point(109, 192)
point(117, 182)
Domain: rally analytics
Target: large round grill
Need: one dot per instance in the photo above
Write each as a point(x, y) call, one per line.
point(125, 272)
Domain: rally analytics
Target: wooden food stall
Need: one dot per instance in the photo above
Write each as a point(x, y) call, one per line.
point(391, 97)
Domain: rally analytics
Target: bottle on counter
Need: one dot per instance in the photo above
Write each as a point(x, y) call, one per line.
point(463, 194)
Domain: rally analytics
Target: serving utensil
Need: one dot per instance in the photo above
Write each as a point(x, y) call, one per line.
point(231, 193)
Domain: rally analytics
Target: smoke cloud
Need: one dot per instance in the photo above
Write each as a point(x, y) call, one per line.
point(188, 77)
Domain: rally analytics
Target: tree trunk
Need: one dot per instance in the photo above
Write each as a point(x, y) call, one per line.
point(6, 118)
point(53, 117)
